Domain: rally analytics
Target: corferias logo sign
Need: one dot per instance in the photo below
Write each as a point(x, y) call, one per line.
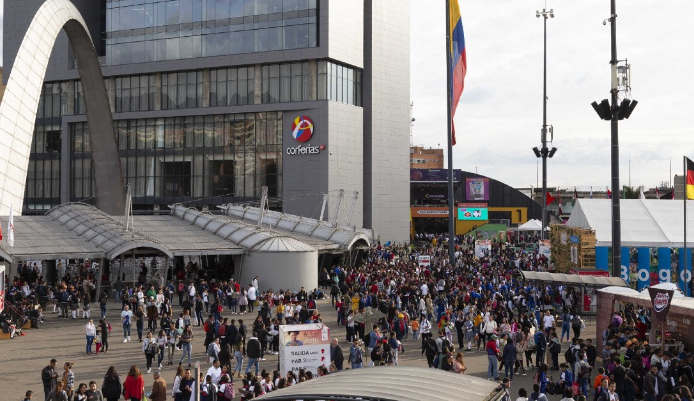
point(661, 299)
point(302, 131)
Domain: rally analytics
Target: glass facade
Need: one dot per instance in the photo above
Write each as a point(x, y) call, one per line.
point(220, 158)
point(211, 159)
point(156, 30)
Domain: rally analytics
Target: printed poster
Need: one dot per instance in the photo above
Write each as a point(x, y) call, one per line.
point(304, 346)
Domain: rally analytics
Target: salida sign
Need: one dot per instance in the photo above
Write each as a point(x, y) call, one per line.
point(302, 131)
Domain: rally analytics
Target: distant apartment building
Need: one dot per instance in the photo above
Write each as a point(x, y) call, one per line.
point(425, 158)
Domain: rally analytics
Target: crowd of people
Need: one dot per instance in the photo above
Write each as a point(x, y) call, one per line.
point(479, 304)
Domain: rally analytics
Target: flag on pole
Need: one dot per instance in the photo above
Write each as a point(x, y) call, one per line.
point(560, 211)
point(591, 192)
point(458, 58)
point(549, 199)
point(10, 228)
point(690, 179)
point(642, 195)
point(573, 203)
point(609, 194)
point(657, 193)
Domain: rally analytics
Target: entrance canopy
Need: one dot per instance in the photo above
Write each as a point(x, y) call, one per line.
point(652, 223)
point(572, 279)
point(401, 383)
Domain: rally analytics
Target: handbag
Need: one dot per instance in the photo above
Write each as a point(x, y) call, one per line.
point(575, 388)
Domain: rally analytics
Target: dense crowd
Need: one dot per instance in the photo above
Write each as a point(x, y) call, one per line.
point(480, 304)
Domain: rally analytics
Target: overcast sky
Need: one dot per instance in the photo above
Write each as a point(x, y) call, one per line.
point(500, 114)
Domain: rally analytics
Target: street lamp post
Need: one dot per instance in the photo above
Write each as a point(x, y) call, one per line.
point(544, 152)
point(614, 111)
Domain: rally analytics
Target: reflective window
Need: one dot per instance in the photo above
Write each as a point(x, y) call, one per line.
point(134, 28)
point(181, 90)
point(232, 86)
point(339, 83)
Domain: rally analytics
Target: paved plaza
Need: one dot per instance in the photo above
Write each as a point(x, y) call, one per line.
point(64, 340)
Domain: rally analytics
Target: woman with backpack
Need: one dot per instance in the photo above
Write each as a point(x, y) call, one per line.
point(576, 324)
point(150, 349)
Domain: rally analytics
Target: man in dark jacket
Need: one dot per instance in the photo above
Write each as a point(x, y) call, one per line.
point(509, 357)
point(49, 377)
point(650, 382)
point(253, 353)
point(336, 354)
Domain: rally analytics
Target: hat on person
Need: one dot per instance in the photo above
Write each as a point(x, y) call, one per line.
point(401, 315)
point(157, 372)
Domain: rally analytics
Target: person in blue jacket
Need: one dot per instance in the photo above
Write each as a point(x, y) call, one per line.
point(566, 378)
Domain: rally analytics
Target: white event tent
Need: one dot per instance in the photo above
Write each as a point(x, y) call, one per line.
point(653, 223)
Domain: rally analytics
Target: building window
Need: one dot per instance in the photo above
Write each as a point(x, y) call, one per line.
point(135, 93)
point(289, 82)
point(339, 83)
point(183, 29)
point(232, 86)
point(181, 90)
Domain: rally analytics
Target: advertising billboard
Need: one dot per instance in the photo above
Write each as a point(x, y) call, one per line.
point(437, 212)
point(304, 346)
point(473, 213)
point(477, 189)
point(433, 175)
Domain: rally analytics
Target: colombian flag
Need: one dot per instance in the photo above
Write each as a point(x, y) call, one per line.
point(690, 178)
point(458, 58)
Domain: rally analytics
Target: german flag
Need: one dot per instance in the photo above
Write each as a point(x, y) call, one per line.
point(690, 178)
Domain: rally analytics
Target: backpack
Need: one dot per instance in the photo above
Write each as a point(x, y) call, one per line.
point(584, 373)
point(569, 356)
point(536, 377)
point(181, 287)
point(531, 343)
point(366, 338)
point(210, 350)
point(64, 296)
point(229, 392)
point(222, 330)
point(576, 322)
point(206, 327)
point(555, 347)
point(109, 327)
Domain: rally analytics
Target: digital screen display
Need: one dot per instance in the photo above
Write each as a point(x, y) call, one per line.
point(473, 213)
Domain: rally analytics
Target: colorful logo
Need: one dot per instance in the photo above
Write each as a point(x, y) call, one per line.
point(661, 301)
point(302, 129)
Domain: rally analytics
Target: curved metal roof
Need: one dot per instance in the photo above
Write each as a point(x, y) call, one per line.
point(239, 232)
point(345, 237)
point(101, 230)
point(386, 383)
point(572, 279)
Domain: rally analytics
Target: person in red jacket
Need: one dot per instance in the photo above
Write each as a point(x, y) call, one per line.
point(134, 385)
point(492, 356)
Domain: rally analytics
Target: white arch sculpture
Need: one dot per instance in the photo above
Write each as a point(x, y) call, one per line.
point(21, 100)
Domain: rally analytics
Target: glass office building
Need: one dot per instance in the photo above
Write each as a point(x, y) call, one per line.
point(206, 96)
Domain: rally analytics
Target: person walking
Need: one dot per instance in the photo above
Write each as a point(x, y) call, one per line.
point(161, 344)
point(150, 348)
point(91, 333)
point(158, 387)
point(509, 358)
point(238, 354)
point(492, 358)
point(49, 377)
point(111, 386)
point(133, 388)
point(253, 353)
point(126, 318)
point(186, 345)
point(176, 387)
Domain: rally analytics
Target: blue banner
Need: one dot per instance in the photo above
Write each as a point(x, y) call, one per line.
point(685, 271)
point(664, 266)
point(624, 270)
point(644, 270)
point(601, 257)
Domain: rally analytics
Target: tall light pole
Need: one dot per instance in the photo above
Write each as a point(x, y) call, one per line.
point(544, 152)
point(614, 111)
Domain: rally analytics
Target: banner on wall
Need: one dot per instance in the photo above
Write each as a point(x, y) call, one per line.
point(304, 346)
point(644, 270)
point(544, 248)
point(483, 248)
point(477, 189)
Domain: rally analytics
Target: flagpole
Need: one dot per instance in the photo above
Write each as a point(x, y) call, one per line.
point(449, 117)
point(684, 198)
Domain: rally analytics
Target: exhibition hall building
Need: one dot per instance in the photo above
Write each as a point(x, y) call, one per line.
point(212, 100)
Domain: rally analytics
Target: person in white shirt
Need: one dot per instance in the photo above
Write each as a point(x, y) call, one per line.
point(254, 282)
point(547, 322)
point(215, 372)
point(126, 317)
point(191, 291)
point(91, 333)
point(425, 290)
point(252, 295)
